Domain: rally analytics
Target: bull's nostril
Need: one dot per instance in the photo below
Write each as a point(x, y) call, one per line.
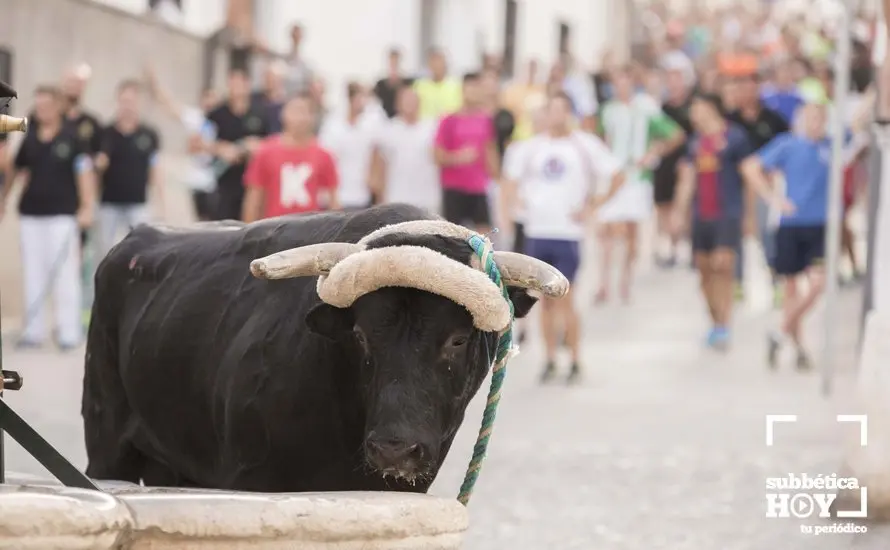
point(414, 452)
point(392, 453)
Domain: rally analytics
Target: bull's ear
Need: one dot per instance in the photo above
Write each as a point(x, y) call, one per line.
point(329, 321)
point(522, 301)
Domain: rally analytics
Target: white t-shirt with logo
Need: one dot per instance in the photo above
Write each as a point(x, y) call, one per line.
point(411, 173)
point(199, 176)
point(351, 145)
point(556, 177)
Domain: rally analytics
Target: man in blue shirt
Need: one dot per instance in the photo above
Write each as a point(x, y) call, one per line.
point(709, 180)
point(804, 160)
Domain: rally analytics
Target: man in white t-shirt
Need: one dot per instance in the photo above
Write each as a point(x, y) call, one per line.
point(513, 164)
point(556, 174)
point(350, 139)
point(403, 166)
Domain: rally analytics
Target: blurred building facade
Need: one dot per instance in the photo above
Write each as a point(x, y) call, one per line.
point(348, 39)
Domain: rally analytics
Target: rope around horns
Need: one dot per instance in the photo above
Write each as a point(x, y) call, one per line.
point(484, 249)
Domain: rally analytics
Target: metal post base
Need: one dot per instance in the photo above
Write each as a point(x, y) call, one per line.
point(33, 442)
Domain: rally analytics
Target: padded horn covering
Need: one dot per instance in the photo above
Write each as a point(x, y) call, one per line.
point(347, 271)
point(421, 268)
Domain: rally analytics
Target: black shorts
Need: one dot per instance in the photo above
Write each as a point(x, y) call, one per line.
point(518, 238)
point(205, 204)
point(709, 235)
point(799, 247)
point(664, 184)
point(459, 207)
point(228, 204)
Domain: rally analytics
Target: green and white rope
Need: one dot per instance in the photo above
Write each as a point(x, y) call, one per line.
point(484, 250)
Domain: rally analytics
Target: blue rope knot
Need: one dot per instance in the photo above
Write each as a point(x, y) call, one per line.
point(485, 251)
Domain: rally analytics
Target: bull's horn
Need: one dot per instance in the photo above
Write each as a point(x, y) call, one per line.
point(304, 261)
point(527, 272)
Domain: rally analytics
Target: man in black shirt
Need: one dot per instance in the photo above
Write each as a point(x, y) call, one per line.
point(239, 128)
point(270, 99)
point(387, 88)
point(59, 196)
point(664, 178)
point(761, 124)
point(127, 162)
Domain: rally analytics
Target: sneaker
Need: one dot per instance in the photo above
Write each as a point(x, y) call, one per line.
point(709, 339)
point(803, 361)
point(719, 339)
point(66, 347)
point(549, 372)
point(773, 346)
point(24, 345)
point(574, 374)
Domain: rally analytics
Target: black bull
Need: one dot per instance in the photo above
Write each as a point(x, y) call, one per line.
point(200, 375)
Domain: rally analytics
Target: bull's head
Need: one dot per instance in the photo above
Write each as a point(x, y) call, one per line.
point(422, 322)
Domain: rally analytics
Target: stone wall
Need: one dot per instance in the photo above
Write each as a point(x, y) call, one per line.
point(46, 37)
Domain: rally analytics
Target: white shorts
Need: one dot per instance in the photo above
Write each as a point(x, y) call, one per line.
point(632, 203)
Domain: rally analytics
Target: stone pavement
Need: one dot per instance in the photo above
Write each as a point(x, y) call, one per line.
point(661, 447)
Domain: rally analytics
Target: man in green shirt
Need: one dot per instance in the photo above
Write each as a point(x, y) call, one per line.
point(639, 134)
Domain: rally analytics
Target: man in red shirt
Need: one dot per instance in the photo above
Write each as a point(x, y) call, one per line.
point(290, 173)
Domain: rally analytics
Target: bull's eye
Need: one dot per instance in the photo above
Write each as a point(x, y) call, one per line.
point(457, 341)
point(360, 336)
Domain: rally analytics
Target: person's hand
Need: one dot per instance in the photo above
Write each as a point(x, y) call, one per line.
point(85, 217)
point(151, 77)
point(466, 155)
point(749, 226)
point(678, 221)
point(101, 162)
point(251, 143)
point(587, 212)
point(229, 152)
point(785, 206)
point(650, 159)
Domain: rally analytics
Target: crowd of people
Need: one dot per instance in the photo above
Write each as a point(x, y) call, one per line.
point(717, 129)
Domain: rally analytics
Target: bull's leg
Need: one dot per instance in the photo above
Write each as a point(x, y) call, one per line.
point(104, 407)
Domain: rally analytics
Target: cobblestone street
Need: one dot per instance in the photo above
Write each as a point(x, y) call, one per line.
point(661, 447)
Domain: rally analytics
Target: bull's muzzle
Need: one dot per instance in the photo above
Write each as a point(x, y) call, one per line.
point(397, 458)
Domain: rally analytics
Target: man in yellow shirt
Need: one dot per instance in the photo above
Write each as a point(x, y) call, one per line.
point(439, 94)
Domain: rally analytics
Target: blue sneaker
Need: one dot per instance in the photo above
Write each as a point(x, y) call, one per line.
point(711, 337)
point(719, 339)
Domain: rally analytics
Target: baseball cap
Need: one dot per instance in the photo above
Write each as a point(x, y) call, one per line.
point(811, 90)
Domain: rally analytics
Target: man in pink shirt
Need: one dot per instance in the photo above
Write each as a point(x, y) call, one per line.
point(467, 157)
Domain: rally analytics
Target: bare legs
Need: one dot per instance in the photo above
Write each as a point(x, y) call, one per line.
point(610, 236)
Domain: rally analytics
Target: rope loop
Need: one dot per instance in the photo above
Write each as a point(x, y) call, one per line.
point(483, 248)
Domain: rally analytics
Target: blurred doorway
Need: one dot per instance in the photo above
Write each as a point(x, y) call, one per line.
point(511, 16)
point(565, 39)
point(430, 12)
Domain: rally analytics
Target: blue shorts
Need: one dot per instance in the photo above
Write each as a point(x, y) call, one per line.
point(564, 255)
point(799, 247)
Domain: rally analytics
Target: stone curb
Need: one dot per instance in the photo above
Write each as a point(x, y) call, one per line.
point(42, 517)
